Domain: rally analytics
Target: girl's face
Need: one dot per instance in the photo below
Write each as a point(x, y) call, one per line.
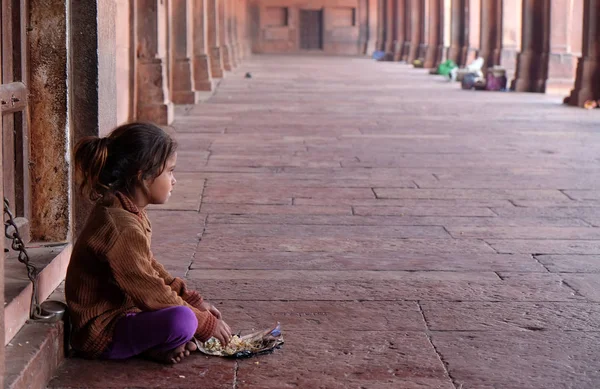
point(160, 189)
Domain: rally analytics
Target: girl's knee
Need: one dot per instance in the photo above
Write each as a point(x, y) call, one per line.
point(183, 321)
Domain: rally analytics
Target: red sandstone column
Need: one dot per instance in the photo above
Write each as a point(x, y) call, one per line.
point(151, 85)
point(532, 63)
point(224, 36)
point(416, 29)
point(389, 25)
point(380, 41)
point(473, 29)
point(587, 83)
point(230, 17)
point(491, 32)
point(181, 47)
point(372, 28)
point(216, 60)
point(399, 31)
point(406, 46)
point(201, 62)
point(458, 33)
point(435, 31)
point(565, 22)
point(511, 35)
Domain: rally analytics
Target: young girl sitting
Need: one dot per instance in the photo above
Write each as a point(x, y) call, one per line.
point(123, 302)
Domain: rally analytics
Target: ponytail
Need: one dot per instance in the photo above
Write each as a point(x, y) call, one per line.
point(91, 154)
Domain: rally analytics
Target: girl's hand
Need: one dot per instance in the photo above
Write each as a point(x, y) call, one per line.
point(222, 332)
point(206, 306)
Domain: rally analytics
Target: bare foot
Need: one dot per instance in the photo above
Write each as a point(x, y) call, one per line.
point(172, 356)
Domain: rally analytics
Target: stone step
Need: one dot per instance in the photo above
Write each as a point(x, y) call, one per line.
point(51, 261)
point(34, 354)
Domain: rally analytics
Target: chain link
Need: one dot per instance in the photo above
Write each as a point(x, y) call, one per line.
point(11, 231)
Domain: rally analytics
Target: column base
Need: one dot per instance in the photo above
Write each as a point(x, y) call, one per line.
point(405, 51)
point(182, 86)
point(201, 73)
point(587, 84)
point(422, 52)
point(216, 62)
point(431, 57)
point(398, 51)
point(532, 72)
point(156, 113)
point(226, 53)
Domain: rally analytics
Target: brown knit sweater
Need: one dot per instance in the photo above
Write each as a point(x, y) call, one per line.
point(113, 272)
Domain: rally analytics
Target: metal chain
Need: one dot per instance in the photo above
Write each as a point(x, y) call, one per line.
point(11, 231)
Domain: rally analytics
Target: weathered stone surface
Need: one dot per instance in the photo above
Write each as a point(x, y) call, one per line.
point(520, 359)
point(216, 218)
point(324, 316)
point(383, 261)
point(570, 263)
point(241, 209)
point(404, 359)
point(374, 285)
point(423, 211)
point(276, 231)
point(585, 285)
point(196, 370)
point(575, 233)
point(510, 316)
point(539, 246)
point(469, 194)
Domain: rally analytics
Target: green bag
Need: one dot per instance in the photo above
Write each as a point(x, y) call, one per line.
point(446, 67)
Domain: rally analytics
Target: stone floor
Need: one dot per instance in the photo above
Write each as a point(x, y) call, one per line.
point(406, 233)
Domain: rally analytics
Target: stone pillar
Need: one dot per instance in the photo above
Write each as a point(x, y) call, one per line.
point(511, 35)
point(372, 29)
point(565, 21)
point(435, 31)
point(473, 29)
point(399, 31)
point(532, 62)
point(380, 42)
point(406, 46)
point(389, 26)
point(491, 32)
point(182, 48)
point(151, 84)
point(587, 83)
point(233, 21)
point(416, 29)
point(216, 59)
point(447, 29)
point(224, 36)
point(459, 38)
point(201, 62)
point(229, 23)
point(92, 88)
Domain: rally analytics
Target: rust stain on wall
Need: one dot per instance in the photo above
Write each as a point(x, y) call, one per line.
point(48, 111)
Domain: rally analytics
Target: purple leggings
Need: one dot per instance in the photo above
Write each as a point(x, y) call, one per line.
point(161, 330)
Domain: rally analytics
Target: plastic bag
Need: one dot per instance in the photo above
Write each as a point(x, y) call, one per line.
point(259, 342)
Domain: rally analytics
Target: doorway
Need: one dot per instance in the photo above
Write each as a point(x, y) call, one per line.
point(311, 29)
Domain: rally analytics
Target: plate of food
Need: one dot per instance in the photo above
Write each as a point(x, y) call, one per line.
point(259, 342)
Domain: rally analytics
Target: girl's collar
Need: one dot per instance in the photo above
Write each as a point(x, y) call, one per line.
point(128, 205)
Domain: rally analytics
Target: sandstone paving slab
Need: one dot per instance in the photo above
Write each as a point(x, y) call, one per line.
point(520, 359)
point(570, 263)
point(469, 194)
point(484, 221)
point(345, 232)
point(541, 246)
point(194, 372)
point(511, 316)
point(347, 359)
point(538, 232)
point(261, 209)
point(228, 194)
point(376, 285)
point(585, 285)
point(403, 202)
point(571, 211)
point(383, 261)
point(423, 211)
point(337, 245)
point(583, 194)
point(323, 316)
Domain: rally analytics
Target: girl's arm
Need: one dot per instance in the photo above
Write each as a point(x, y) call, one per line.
point(130, 260)
point(178, 285)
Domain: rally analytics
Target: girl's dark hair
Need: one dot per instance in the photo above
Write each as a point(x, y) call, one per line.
point(119, 162)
